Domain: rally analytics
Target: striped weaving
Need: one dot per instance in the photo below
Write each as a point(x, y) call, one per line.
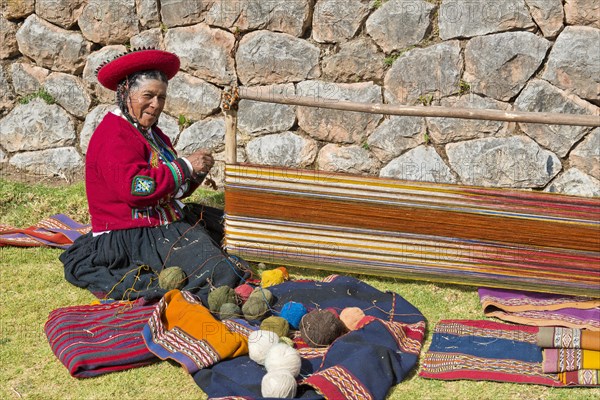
point(416, 230)
point(92, 340)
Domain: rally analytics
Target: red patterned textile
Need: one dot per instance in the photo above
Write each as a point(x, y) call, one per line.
point(55, 231)
point(92, 340)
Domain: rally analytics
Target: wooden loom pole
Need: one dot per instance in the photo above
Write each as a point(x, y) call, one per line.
point(230, 137)
point(419, 111)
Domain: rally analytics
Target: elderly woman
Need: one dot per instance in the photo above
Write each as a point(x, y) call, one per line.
point(134, 184)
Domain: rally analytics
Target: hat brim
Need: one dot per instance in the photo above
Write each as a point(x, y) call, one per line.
point(111, 74)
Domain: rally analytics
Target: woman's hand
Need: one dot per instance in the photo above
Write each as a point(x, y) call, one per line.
point(202, 161)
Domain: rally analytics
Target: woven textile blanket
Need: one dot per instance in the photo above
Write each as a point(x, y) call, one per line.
point(566, 360)
point(184, 330)
point(568, 338)
point(493, 351)
point(362, 364)
point(55, 231)
point(92, 340)
point(541, 309)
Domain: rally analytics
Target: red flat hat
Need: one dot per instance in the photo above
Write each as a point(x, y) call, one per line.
point(110, 74)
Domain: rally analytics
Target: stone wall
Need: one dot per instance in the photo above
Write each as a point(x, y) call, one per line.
point(527, 55)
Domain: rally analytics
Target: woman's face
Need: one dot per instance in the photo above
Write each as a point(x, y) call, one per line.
point(147, 100)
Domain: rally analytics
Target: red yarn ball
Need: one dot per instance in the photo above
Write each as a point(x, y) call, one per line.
point(244, 291)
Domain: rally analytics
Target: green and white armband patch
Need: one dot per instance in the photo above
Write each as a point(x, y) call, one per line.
point(142, 185)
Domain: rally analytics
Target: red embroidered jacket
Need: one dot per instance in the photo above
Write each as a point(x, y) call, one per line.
point(128, 183)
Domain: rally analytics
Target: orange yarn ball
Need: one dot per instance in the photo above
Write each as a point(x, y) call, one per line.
point(351, 316)
point(286, 274)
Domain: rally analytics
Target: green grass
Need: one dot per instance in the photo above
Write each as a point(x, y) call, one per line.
point(32, 285)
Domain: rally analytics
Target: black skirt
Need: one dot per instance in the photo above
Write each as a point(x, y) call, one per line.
point(125, 264)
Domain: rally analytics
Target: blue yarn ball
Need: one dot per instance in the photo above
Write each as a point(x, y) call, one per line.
point(293, 312)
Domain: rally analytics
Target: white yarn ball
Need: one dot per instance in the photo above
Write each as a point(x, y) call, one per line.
point(259, 344)
point(279, 384)
point(282, 357)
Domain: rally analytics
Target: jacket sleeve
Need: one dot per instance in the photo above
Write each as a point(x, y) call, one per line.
point(194, 181)
point(193, 184)
point(125, 164)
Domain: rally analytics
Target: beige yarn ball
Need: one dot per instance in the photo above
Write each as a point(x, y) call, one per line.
point(279, 384)
point(259, 344)
point(282, 357)
point(351, 316)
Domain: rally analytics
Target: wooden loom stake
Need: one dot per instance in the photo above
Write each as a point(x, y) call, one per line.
point(420, 111)
point(230, 105)
point(230, 137)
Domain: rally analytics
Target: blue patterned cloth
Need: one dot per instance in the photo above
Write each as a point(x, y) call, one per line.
point(362, 364)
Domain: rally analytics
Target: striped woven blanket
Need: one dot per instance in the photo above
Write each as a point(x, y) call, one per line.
point(55, 231)
point(493, 351)
point(92, 340)
point(541, 309)
point(362, 364)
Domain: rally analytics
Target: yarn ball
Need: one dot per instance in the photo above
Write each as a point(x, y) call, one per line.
point(276, 324)
point(172, 278)
point(286, 274)
point(263, 294)
point(279, 385)
point(282, 357)
point(255, 309)
point(220, 296)
point(319, 328)
point(259, 344)
point(243, 292)
point(293, 312)
point(351, 316)
point(229, 310)
point(271, 277)
point(287, 341)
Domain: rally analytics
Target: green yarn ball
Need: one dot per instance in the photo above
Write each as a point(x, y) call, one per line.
point(286, 340)
point(220, 296)
point(276, 324)
point(229, 310)
point(264, 295)
point(172, 278)
point(255, 308)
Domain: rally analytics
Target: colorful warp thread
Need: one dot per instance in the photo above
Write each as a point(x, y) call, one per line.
point(485, 350)
point(541, 309)
point(55, 231)
point(92, 340)
point(506, 238)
